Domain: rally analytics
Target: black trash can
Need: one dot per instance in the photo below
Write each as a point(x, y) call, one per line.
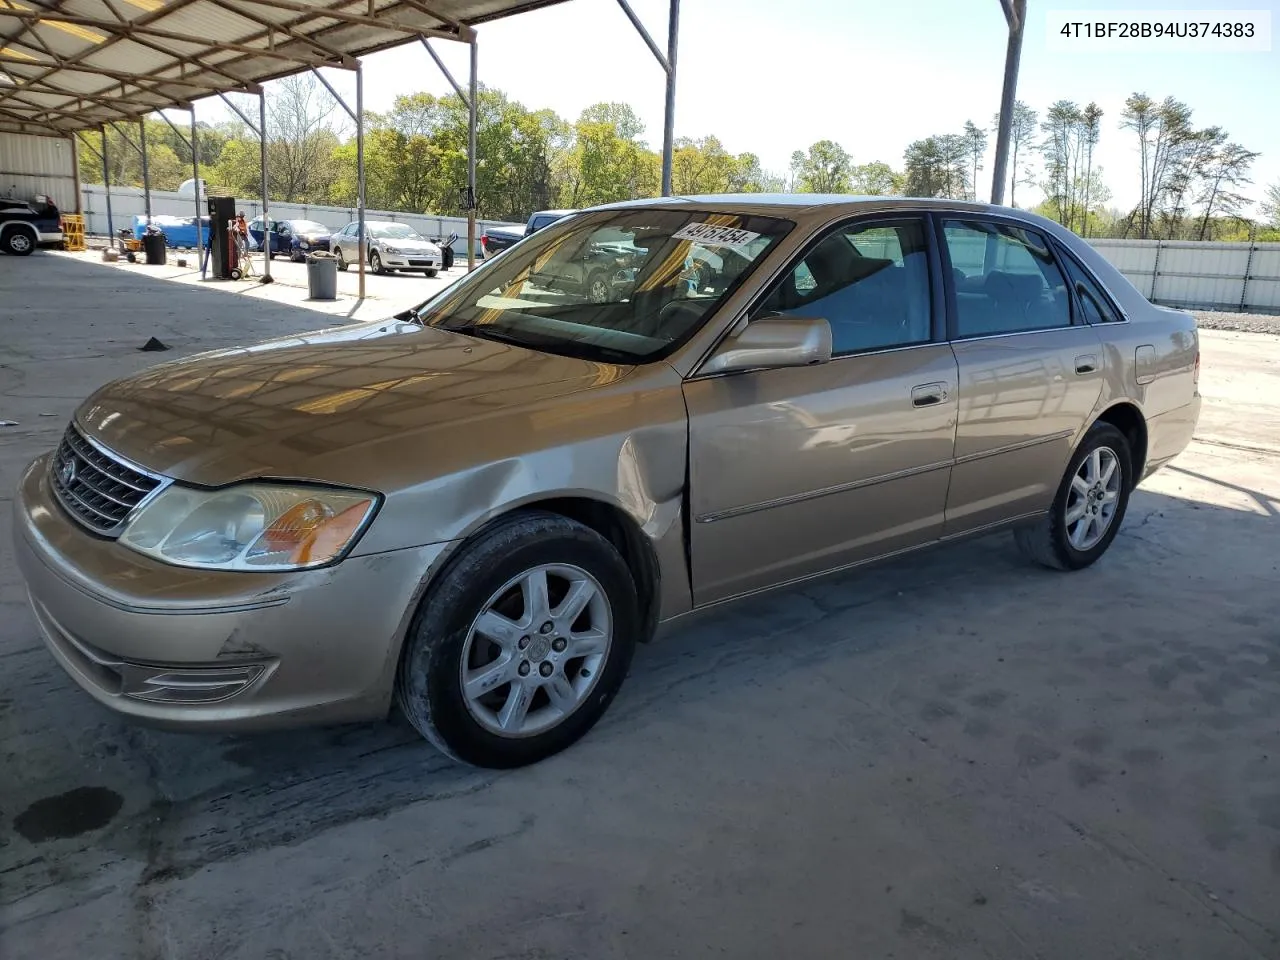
point(153, 246)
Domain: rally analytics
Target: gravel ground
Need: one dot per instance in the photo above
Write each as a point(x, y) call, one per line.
point(1243, 322)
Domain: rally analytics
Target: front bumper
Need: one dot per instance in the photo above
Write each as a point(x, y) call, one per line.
point(210, 649)
point(411, 261)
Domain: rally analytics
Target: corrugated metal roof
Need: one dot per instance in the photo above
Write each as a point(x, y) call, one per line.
point(68, 65)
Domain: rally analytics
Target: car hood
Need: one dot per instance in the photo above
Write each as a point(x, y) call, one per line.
point(306, 407)
point(425, 246)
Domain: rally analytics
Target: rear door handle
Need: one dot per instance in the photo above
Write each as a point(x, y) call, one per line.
point(928, 394)
point(1086, 364)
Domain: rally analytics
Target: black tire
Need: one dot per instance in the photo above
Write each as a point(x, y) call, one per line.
point(431, 273)
point(296, 257)
point(375, 263)
point(1046, 542)
point(342, 264)
point(429, 683)
point(18, 241)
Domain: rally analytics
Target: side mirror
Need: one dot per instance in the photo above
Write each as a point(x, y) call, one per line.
point(774, 340)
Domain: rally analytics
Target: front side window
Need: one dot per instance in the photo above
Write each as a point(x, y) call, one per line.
point(618, 286)
point(1006, 280)
point(1095, 304)
point(870, 282)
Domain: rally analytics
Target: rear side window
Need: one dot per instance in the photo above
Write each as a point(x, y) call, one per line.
point(1006, 280)
point(1095, 304)
point(870, 282)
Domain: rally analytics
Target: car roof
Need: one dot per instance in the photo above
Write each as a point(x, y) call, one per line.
point(787, 204)
point(552, 213)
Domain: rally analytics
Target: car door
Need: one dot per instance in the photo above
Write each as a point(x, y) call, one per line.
point(281, 238)
point(795, 471)
point(1030, 372)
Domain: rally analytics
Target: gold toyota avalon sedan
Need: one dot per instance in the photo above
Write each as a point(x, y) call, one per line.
point(479, 507)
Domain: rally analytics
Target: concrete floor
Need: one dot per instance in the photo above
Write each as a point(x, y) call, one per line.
point(951, 756)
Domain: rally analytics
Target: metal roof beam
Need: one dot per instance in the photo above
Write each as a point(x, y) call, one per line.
point(333, 53)
point(381, 20)
point(127, 31)
point(118, 75)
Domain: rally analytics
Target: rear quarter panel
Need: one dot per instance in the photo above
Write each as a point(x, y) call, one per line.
point(1150, 357)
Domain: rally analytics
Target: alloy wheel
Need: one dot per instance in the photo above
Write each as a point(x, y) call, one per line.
point(1093, 498)
point(536, 650)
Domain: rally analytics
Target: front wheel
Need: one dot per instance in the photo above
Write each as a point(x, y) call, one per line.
point(375, 263)
point(522, 645)
point(430, 273)
point(1089, 507)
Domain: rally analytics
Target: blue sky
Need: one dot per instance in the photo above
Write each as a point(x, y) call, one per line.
point(771, 77)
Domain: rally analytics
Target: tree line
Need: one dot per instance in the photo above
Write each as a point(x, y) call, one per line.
point(1192, 180)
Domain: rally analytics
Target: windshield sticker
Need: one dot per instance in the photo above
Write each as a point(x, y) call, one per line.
point(715, 236)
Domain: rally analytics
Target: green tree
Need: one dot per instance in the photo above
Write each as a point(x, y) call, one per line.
point(825, 168)
point(1022, 132)
point(875, 179)
point(926, 169)
point(1270, 206)
point(975, 148)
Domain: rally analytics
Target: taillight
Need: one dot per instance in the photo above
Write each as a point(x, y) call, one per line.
point(484, 240)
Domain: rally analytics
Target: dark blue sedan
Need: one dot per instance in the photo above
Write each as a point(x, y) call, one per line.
point(294, 238)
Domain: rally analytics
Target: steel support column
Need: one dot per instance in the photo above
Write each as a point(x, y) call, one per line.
point(1015, 14)
point(470, 100)
point(473, 120)
point(266, 218)
point(146, 170)
point(75, 170)
point(669, 118)
point(195, 173)
point(357, 115)
point(363, 244)
point(106, 182)
point(668, 63)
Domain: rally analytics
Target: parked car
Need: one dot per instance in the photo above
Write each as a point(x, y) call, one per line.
point(496, 239)
point(391, 246)
point(25, 225)
point(294, 238)
point(480, 507)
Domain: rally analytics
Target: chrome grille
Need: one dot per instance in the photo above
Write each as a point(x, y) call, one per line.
point(94, 487)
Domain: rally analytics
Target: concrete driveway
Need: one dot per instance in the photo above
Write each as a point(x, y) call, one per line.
point(952, 756)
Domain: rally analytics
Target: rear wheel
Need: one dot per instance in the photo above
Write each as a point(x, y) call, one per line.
point(1089, 507)
point(523, 643)
point(19, 241)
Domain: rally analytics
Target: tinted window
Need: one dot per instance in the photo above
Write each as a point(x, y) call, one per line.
point(1006, 280)
point(869, 282)
point(1095, 304)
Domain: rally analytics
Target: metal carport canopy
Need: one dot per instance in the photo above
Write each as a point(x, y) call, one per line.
point(72, 65)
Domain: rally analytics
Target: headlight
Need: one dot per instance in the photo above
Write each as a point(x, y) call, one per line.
point(304, 244)
point(390, 249)
point(250, 526)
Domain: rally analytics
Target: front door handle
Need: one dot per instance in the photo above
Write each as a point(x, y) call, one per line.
point(928, 394)
point(1086, 364)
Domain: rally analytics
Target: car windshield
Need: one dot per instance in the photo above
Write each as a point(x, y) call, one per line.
point(617, 286)
point(393, 231)
point(309, 226)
